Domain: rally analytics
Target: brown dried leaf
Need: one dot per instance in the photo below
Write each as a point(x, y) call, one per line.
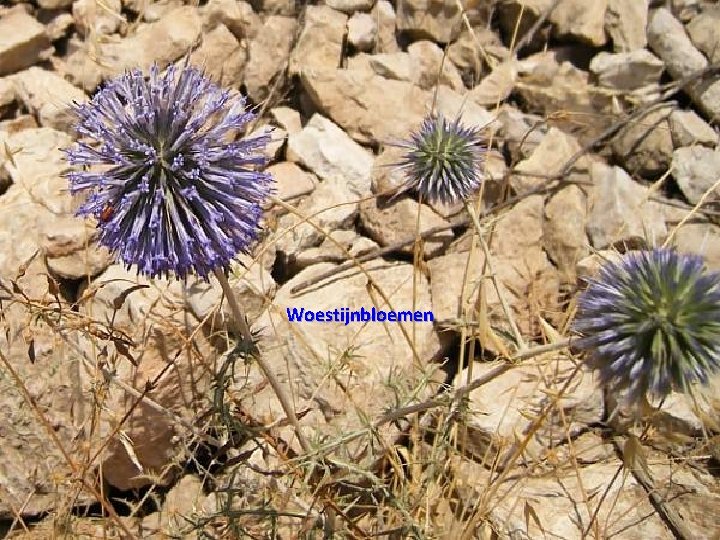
point(119, 300)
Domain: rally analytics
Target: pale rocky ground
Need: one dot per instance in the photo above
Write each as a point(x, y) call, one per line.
point(592, 151)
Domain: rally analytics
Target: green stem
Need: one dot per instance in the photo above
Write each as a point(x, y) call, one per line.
point(279, 390)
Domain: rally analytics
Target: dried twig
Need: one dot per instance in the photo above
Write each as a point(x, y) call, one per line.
point(674, 521)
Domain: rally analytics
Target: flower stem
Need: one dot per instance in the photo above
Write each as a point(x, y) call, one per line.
point(272, 379)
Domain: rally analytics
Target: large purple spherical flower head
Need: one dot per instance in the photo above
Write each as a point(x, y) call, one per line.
point(173, 189)
point(443, 160)
point(650, 323)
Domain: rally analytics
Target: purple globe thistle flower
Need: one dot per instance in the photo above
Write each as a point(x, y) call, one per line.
point(443, 160)
point(173, 190)
point(651, 323)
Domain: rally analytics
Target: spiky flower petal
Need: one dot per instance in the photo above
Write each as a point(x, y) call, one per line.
point(173, 189)
point(443, 160)
point(651, 323)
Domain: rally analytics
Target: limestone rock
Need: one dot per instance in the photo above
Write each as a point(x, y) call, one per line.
point(627, 70)
point(470, 53)
point(688, 129)
point(332, 205)
point(221, 57)
point(151, 12)
point(23, 41)
point(156, 318)
point(287, 8)
point(37, 201)
point(384, 15)
point(54, 4)
point(549, 158)
point(386, 177)
point(691, 496)
point(707, 97)
point(161, 42)
point(48, 96)
point(667, 38)
point(59, 26)
point(645, 146)
point(321, 40)
point(17, 124)
point(291, 181)
point(71, 249)
point(397, 221)
point(700, 239)
point(397, 66)
point(362, 31)
point(335, 247)
point(362, 245)
point(625, 23)
point(702, 30)
point(548, 82)
point(583, 20)
point(77, 67)
point(564, 235)
point(437, 20)
point(463, 52)
point(326, 150)
point(38, 165)
point(90, 17)
point(375, 109)
point(506, 404)
point(568, 516)
point(350, 6)
point(521, 133)
point(426, 58)
point(7, 94)
point(523, 266)
point(526, 278)
point(276, 145)
point(685, 10)
point(287, 118)
point(620, 211)
point(695, 169)
point(28, 455)
point(183, 499)
point(496, 86)
point(268, 54)
point(448, 273)
point(589, 267)
point(236, 15)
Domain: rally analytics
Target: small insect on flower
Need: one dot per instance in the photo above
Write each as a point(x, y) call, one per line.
point(443, 160)
point(107, 212)
point(173, 187)
point(650, 323)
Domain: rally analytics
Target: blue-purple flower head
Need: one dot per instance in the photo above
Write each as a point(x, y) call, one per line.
point(443, 161)
point(172, 187)
point(651, 323)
